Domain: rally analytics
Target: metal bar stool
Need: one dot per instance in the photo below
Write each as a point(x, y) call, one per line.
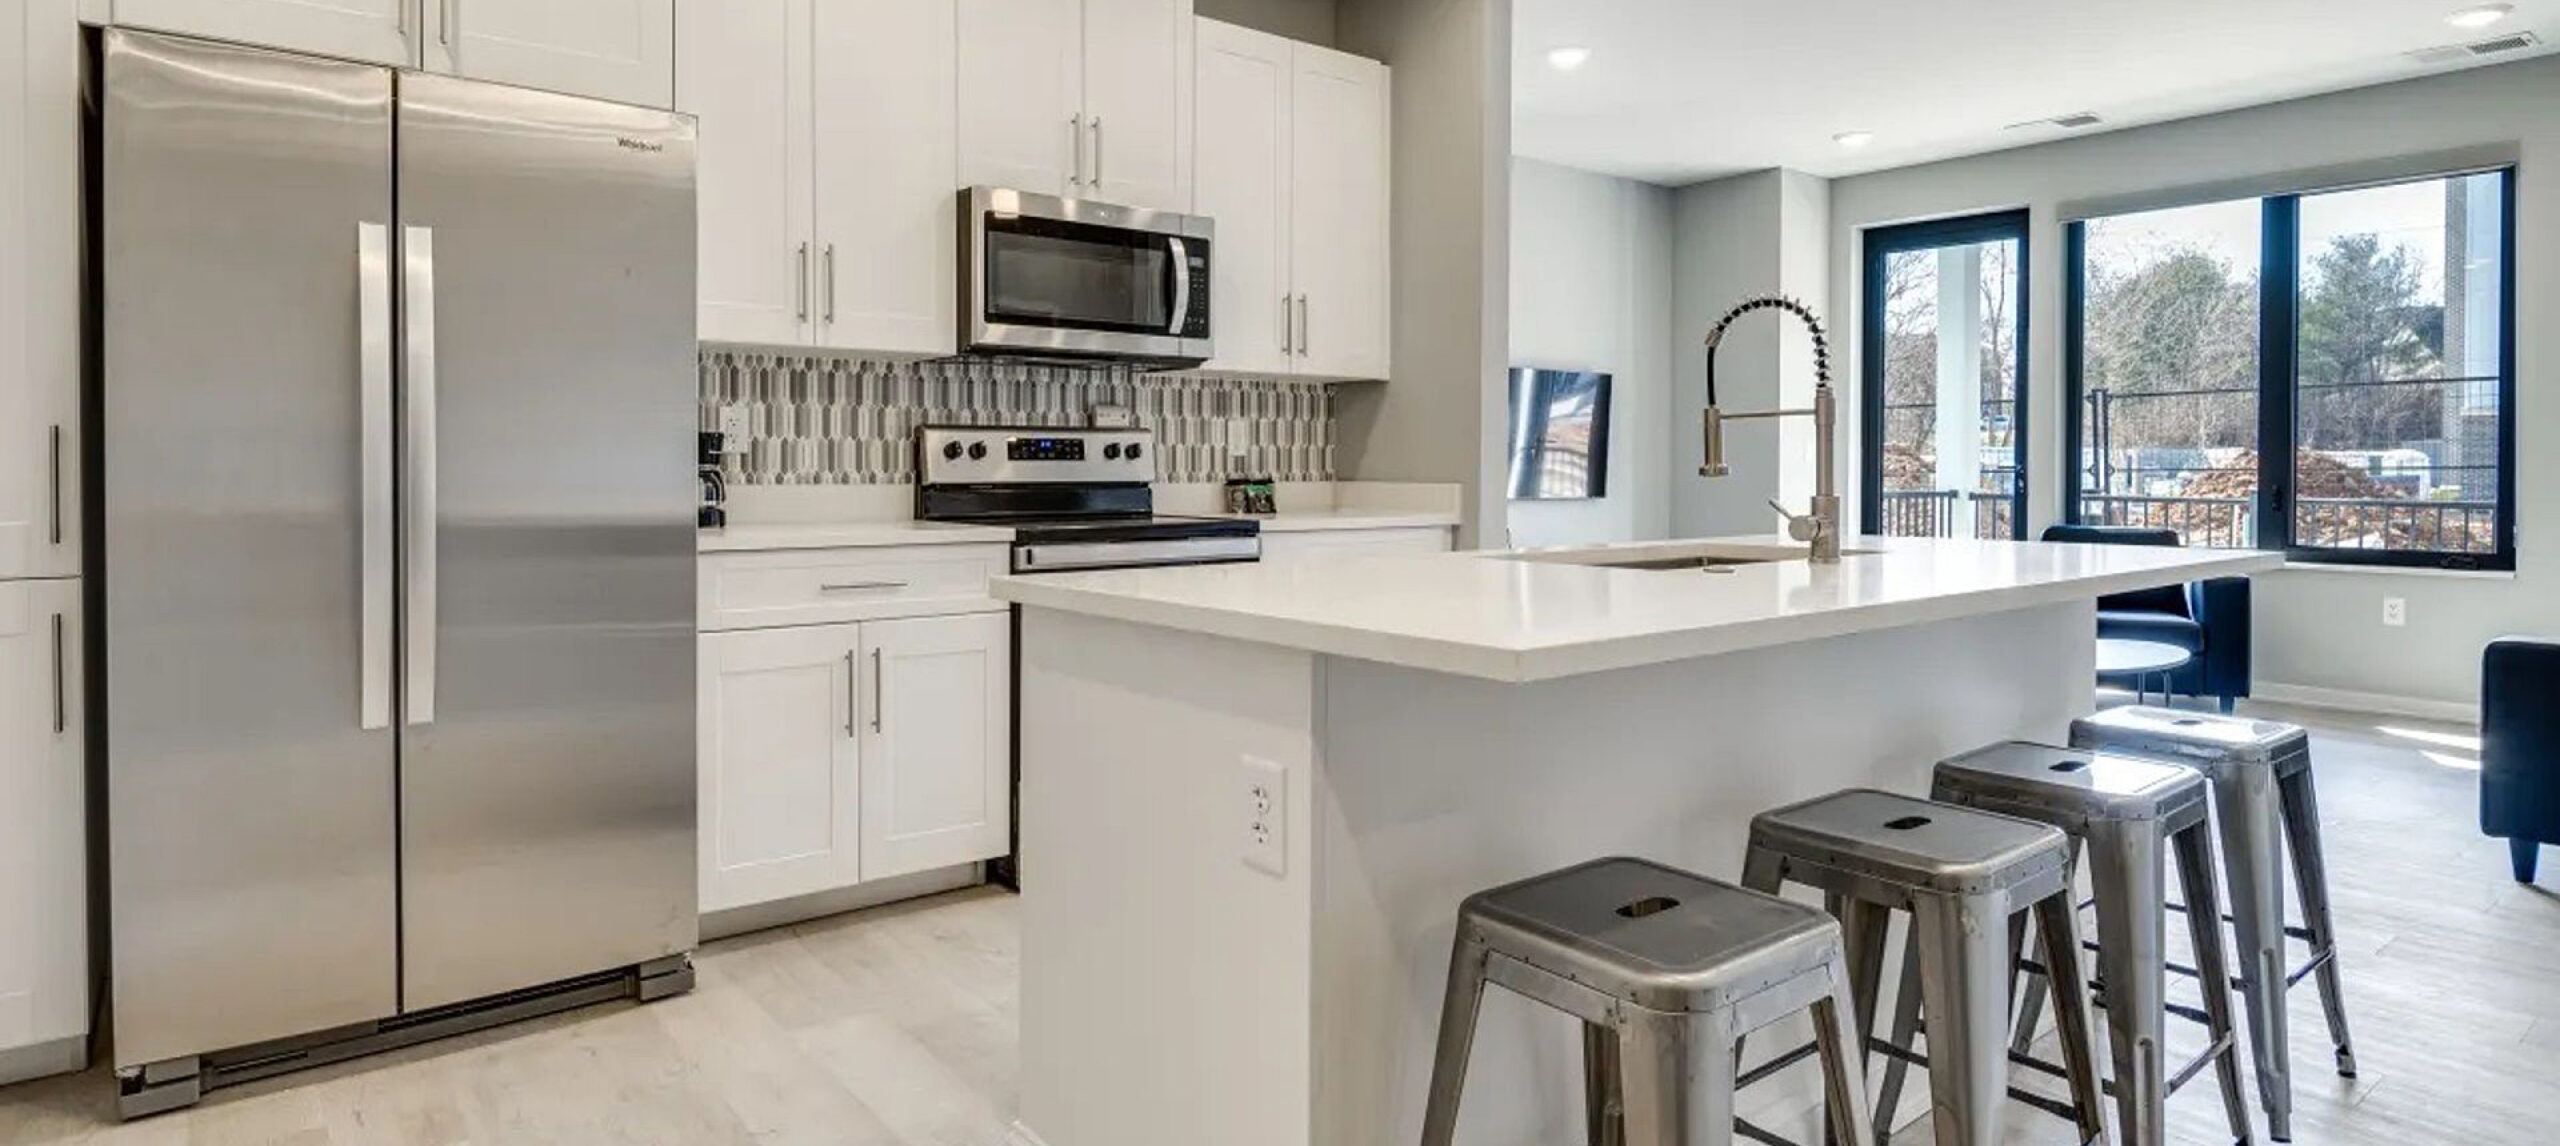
point(1965, 877)
point(2262, 789)
point(2128, 814)
point(1667, 972)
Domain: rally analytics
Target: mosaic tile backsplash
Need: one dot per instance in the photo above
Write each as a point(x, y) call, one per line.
point(824, 420)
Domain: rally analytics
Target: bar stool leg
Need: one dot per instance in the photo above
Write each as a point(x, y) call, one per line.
point(2247, 813)
point(2194, 848)
point(2311, 881)
point(1677, 1078)
point(2058, 926)
point(1603, 1115)
point(2125, 867)
point(1467, 957)
point(1906, 1031)
point(1844, 1082)
point(1863, 930)
point(1964, 987)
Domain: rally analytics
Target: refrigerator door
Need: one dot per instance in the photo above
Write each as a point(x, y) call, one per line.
point(547, 776)
point(247, 201)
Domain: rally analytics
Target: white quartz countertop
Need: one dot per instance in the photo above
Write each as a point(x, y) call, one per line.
point(1314, 520)
point(863, 534)
point(1482, 615)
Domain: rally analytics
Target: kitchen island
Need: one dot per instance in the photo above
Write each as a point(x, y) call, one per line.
point(1253, 796)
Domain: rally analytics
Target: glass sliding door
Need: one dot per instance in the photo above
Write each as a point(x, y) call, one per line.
point(1944, 330)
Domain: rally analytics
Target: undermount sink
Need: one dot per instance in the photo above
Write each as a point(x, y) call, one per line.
point(1674, 557)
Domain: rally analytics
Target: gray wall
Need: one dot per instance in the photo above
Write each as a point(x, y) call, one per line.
point(1734, 237)
point(1440, 418)
point(2316, 629)
point(1591, 290)
point(1310, 20)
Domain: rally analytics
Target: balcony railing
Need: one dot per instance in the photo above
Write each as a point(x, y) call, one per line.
point(2377, 524)
point(1934, 513)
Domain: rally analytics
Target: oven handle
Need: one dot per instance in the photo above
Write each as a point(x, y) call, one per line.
point(1181, 285)
point(1123, 554)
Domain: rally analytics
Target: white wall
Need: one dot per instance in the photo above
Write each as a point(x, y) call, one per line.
point(2317, 629)
point(1441, 418)
point(1310, 20)
point(1591, 290)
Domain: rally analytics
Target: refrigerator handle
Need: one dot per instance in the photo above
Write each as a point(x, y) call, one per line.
point(418, 639)
point(373, 432)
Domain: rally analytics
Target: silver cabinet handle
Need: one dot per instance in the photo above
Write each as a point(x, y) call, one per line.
point(1288, 329)
point(858, 586)
point(852, 694)
point(879, 690)
point(831, 283)
point(1075, 132)
point(1097, 152)
point(373, 480)
point(800, 286)
point(1302, 325)
point(61, 686)
point(448, 14)
point(54, 467)
point(418, 684)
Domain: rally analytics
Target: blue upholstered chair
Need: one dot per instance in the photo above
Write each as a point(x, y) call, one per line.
point(2520, 746)
point(2207, 618)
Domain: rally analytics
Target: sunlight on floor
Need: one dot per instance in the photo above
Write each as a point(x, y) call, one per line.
point(2466, 760)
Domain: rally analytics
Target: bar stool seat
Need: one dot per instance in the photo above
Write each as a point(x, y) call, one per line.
point(2264, 800)
point(1967, 878)
point(1667, 970)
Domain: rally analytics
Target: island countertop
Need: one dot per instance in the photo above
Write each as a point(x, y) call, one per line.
point(1539, 615)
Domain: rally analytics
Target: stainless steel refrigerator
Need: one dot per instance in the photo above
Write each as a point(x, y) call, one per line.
point(397, 433)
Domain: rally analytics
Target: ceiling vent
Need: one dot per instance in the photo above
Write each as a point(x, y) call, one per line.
point(2071, 122)
point(2455, 53)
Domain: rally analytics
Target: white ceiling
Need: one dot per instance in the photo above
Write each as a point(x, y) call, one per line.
point(1682, 90)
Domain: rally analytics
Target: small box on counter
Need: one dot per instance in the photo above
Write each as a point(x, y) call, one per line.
point(1252, 495)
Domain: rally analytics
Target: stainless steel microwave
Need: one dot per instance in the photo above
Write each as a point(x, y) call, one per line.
point(1045, 277)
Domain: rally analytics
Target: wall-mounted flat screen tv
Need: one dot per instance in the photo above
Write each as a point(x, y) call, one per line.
point(1559, 434)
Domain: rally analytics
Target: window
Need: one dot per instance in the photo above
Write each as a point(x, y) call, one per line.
point(1943, 375)
point(2327, 374)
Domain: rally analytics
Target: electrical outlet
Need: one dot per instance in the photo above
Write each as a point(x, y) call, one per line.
point(1266, 819)
point(733, 424)
point(1239, 437)
point(2395, 611)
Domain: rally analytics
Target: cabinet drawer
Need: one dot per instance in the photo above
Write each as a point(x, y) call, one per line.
point(766, 590)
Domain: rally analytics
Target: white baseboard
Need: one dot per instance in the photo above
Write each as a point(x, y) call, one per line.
point(2451, 711)
point(784, 912)
point(1021, 1135)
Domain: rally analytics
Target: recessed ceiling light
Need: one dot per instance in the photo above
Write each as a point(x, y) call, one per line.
point(2479, 15)
point(1567, 59)
point(1854, 139)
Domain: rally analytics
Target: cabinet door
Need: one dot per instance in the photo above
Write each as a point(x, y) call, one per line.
point(39, 289)
point(44, 938)
point(619, 50)
point(888, 176)
point(937, 742)
point(1338, 201)
point(1137, 102)
point(1022, 95)
point(745, 74)
point(376, 31)
point(776, 743)
point(1241, 150)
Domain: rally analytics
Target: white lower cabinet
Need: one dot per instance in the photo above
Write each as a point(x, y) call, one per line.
point(44, 935)
point(834, 754)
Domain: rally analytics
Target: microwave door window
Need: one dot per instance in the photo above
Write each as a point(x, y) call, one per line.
point(1082, 278)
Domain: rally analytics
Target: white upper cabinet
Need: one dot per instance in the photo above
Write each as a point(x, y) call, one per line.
point(937, 742)
point(620, 50)
point(377, 31)
point(1083, 98)
point(1291, 157)
point(44, 938)
point(1338, 214)
point(887, 176)
point(1022, 95)
point(39, 289)
point(744, 73)
point(1137, 72)
point(779, 760)
point(1243, 184)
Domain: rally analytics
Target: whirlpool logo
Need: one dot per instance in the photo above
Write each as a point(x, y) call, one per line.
point(629, 144)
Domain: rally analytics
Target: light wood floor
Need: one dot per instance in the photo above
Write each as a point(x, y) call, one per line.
point(897, 1026)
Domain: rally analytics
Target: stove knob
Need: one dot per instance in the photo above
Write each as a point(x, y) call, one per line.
point(977, 451)
point(951, 451)
point(1132, 452)
point(1111, 453)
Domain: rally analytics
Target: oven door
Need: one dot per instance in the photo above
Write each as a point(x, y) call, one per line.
point(1051, 277)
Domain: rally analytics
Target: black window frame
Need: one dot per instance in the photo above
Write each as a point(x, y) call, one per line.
point(1877, 244)
point(2279, 379)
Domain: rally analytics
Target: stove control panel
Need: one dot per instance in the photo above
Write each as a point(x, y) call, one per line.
point(1020, 455)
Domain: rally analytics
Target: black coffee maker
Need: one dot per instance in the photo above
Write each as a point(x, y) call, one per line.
point(715, 486)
